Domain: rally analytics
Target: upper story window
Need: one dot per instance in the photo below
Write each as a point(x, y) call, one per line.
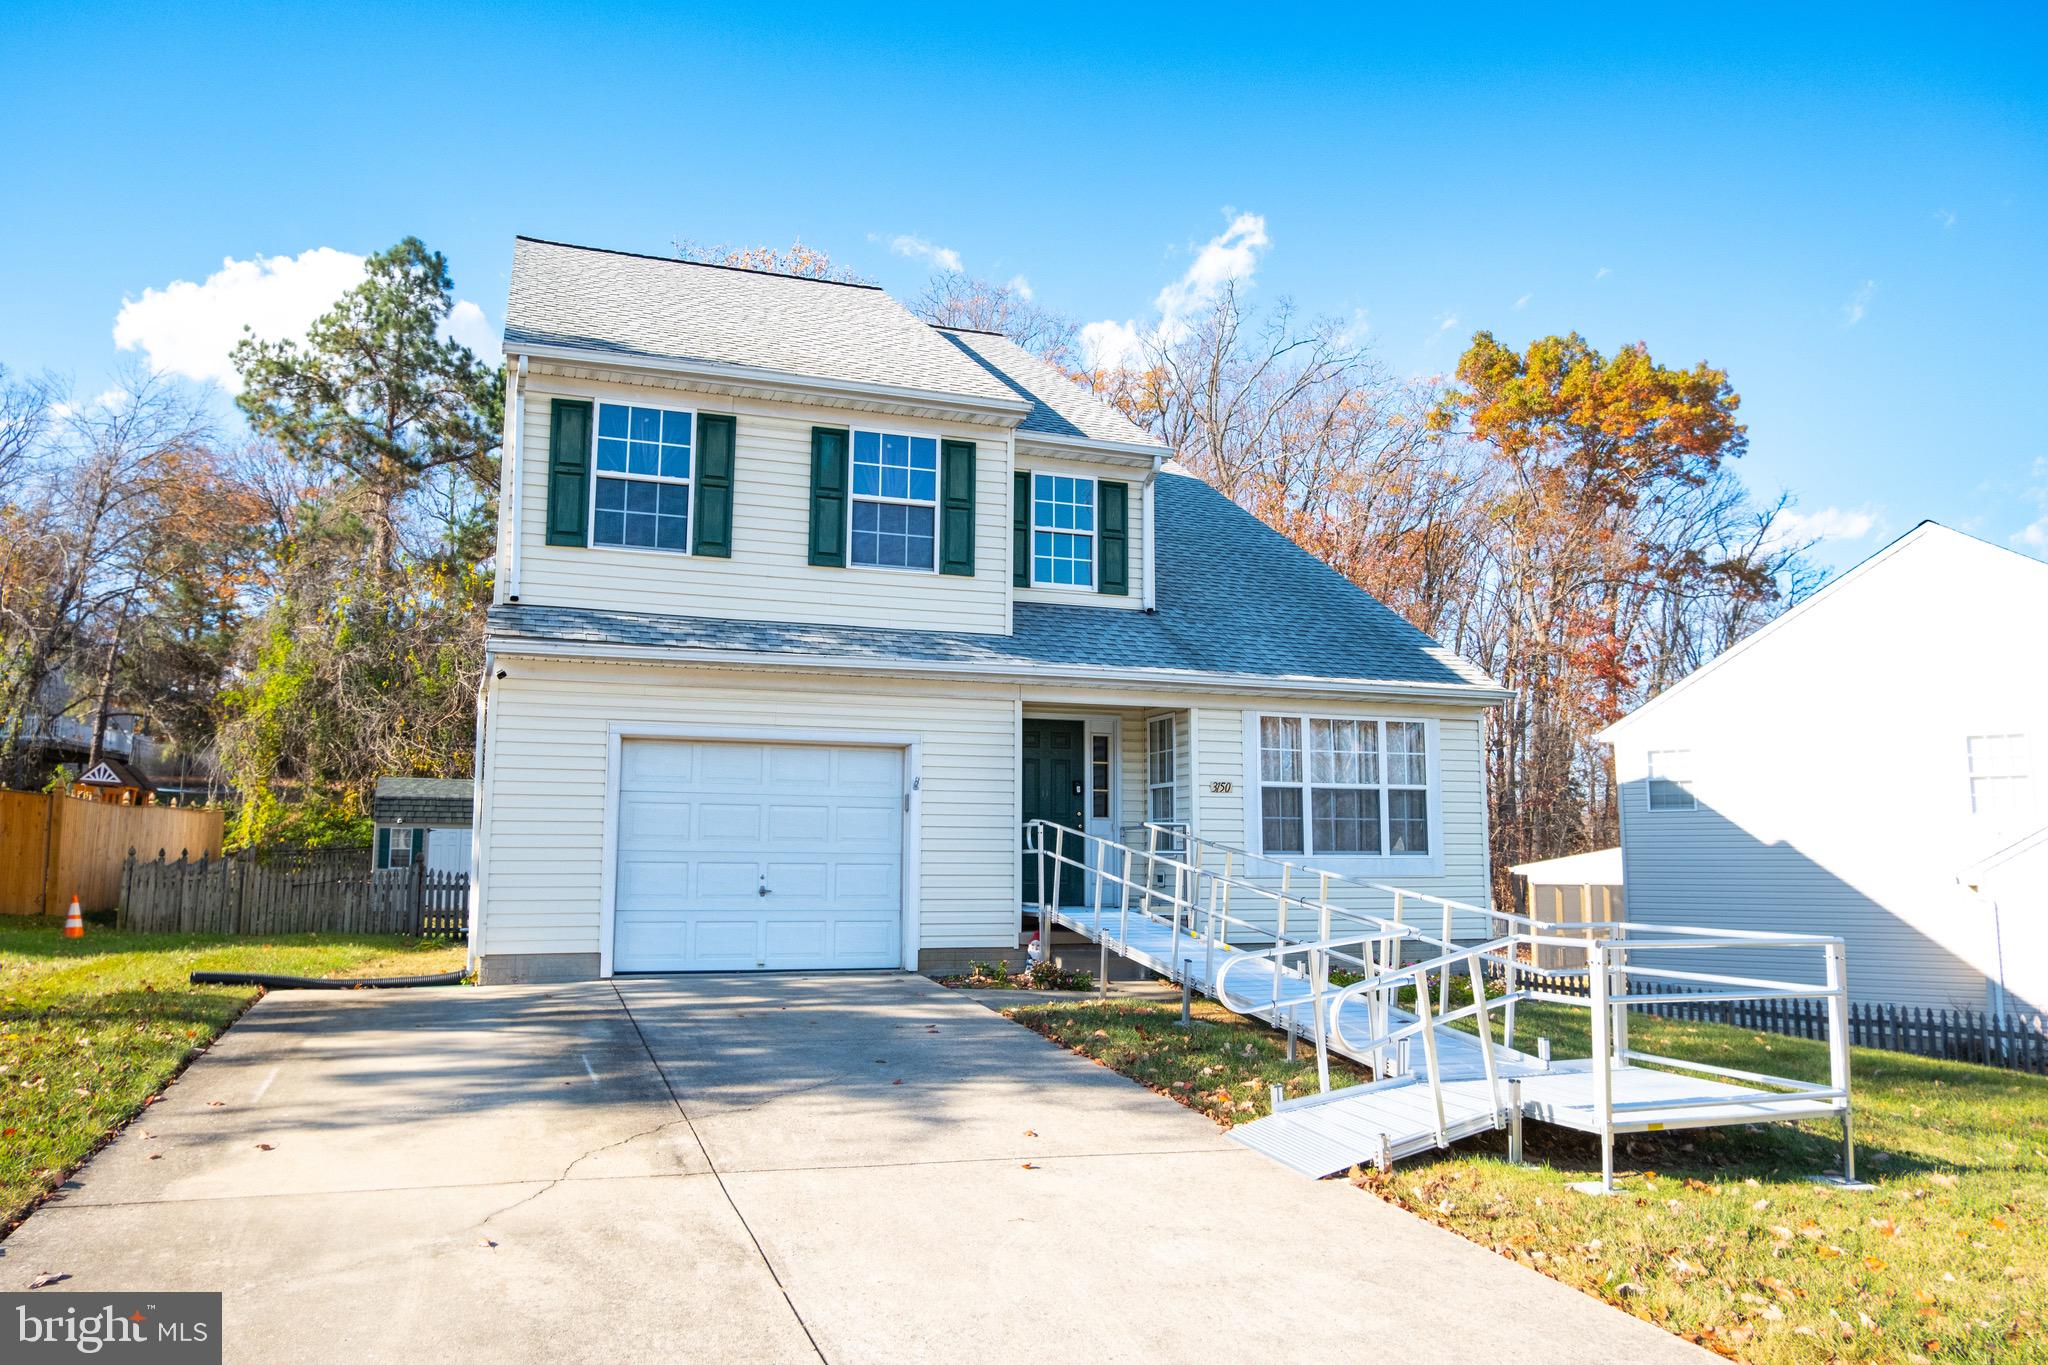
point(1998, 774)
point(640, 498)
point(1331, 786)
point(895, 500)
point(1671, 780)
point(1062, 531)
point(1159, 769)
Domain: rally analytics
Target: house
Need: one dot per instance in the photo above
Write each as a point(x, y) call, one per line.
point(423, 821)
point(1867, 765)
point(805, 607)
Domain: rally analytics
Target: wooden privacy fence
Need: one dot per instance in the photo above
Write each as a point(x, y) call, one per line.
point(2017, 1042)
point(54, 847)
point(322, 891)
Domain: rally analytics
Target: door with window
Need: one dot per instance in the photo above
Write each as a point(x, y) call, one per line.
point(1055, 789)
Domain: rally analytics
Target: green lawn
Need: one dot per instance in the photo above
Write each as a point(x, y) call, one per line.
point(1717, 1236)
point(90, 1028)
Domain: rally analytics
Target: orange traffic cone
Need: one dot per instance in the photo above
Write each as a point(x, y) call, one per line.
point(74, 923)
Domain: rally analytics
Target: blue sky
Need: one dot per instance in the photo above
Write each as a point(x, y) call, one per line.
point(1846, 209)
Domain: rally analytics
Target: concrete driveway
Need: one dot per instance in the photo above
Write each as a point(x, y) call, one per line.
point(847, 1168)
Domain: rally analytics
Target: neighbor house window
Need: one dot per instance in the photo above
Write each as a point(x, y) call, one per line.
point(1671, 779)
point(1062, 531)
point(895, 500)
point(640, 498)
point(1159, 769)
point(1998, 774)
point(1329, 785)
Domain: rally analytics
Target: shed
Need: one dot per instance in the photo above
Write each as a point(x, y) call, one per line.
point(1584, 888)
point(114, 782)
point(423, 820)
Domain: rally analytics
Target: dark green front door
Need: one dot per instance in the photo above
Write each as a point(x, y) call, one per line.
point(1055, 773)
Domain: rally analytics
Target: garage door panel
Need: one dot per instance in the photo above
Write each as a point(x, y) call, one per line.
point(704, 825)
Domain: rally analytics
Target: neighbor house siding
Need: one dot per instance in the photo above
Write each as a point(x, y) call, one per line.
point(1829, 766)
point(1134, 478)
point(768, 576)
point(549, 750)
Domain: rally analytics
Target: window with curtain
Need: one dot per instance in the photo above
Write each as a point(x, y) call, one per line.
point(1331, 785)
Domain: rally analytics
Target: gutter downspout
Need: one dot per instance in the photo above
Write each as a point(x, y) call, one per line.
point(479, 808)
point(1151, 563)
point(509, 471)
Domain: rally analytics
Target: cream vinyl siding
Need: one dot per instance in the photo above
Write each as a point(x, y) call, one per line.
point(769, 576)
point(1828, 760)
point(1459, 834)
point(550, 724)
point(1133, 477)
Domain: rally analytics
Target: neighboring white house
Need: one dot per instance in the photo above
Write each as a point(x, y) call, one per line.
point(1868, 765)
point(423, 821)
point(805, 607)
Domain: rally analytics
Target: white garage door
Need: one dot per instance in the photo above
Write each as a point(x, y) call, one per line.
point(739, 856)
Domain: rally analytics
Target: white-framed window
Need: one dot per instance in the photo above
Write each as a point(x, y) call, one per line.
point(640, 495)
point(1159, 769)
point(1339, 785)
point(1098, 775)
point(1062, 531)
point(2000, 783)
point(402, 845)
point(1671, 780)
point(895, 502)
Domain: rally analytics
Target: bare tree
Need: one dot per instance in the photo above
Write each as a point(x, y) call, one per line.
point(955, 299)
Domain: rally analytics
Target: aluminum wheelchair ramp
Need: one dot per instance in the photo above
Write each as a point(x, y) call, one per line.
point(1365, 1125)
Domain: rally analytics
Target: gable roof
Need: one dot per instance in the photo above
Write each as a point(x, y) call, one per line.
point(614, 303)
point(423, 801)
point(1273, 616)
point(1059, 406)
point(112, 772)
point(1924, 533)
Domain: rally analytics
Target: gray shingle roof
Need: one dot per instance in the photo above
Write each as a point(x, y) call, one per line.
point(422, 801)
point(1059, 406)
point(656, 308)
point(1235, 599)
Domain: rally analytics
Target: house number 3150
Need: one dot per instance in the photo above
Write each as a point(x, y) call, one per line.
point(1219, 786)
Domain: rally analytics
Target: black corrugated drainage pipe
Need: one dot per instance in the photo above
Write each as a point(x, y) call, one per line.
point(316, 983)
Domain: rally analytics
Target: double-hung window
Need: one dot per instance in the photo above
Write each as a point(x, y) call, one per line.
point(1329, 786)
point(895, 500)
point(640, 498)
point(1671, 780)
point(1998, 775)
point(1159, 774)
point(1062, 531)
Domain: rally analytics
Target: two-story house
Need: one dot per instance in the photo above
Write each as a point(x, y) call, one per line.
point(1868, 765)
point(805, 607)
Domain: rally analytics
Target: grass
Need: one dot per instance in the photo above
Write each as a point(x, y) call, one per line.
point(91, 1028)
point(1718, 1236)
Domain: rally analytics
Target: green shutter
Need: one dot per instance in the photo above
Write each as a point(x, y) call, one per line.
point(956, 508)
point(828, 497)
point(713, 477)
point(383, 849)
point(1020, 531)
point(1112, 541)
point(569, 472)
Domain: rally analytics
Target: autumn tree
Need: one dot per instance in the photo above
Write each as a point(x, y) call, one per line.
point(794, 259)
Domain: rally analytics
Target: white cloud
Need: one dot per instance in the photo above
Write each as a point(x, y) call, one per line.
point(1945, 217)
point(1227, 258)
point(1603, 272)
point(190, 329)
point(1859, 304)
point(1829, 523)
point(1021, 287)
point(2035, 537)
point(918, 249)
point(1523, 302)
point(1447, 322)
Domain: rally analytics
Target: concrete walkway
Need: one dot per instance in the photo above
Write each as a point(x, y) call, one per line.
point(847, 1168)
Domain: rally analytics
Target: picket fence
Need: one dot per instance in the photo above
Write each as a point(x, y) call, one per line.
point(324, 891)
point(2016, 1042)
